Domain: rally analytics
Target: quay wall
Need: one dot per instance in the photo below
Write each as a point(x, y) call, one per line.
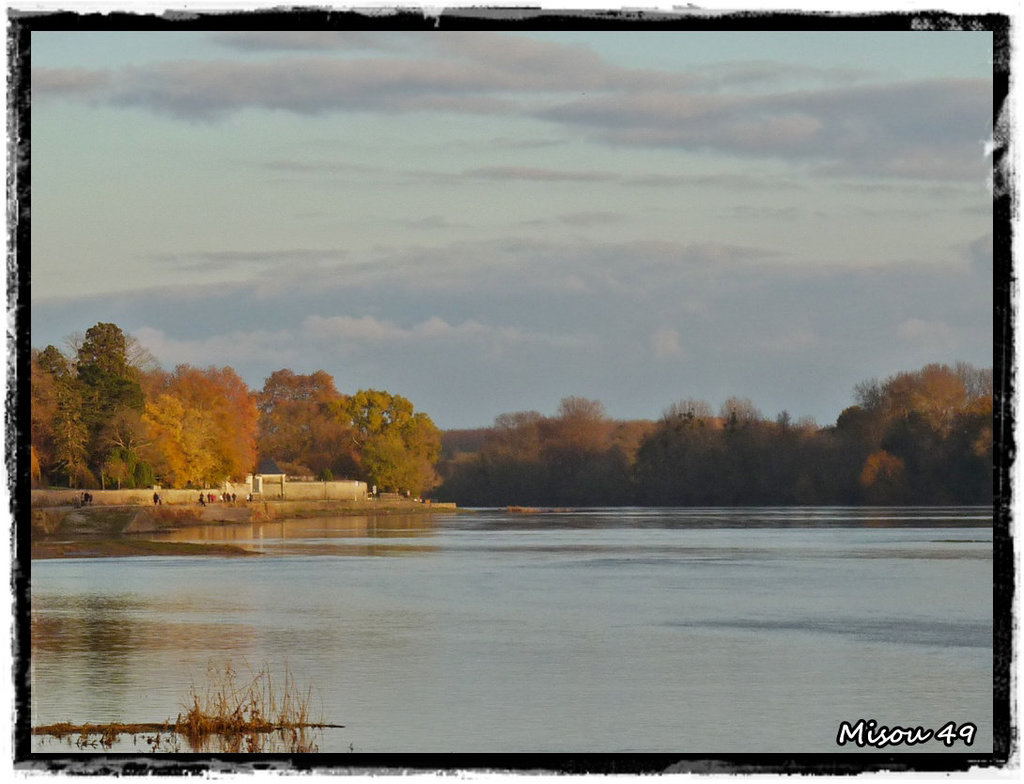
point(338, 490)
point(341, 490)
point(41, 498)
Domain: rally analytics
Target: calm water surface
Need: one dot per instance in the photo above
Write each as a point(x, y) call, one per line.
point(628, 630)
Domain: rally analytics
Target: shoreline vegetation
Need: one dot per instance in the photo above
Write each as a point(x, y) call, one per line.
point(122, 530)
point(229, 715)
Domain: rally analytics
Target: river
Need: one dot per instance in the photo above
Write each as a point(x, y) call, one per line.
point(711, 631)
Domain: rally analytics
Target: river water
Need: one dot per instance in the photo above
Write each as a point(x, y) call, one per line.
point(691, 631)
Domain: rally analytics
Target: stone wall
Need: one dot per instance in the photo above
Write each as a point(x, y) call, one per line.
point(41, 498)
point(338, 490)
point(342, 490)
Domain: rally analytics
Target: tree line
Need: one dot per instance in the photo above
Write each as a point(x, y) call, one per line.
point(922, 437)
point(105, 415)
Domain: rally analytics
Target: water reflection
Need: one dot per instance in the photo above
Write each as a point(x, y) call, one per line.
point(729, 518)
point(291, 741)
point(321, 535)
point(598, 630)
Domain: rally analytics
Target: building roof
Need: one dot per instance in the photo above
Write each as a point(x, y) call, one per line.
point(268, 466)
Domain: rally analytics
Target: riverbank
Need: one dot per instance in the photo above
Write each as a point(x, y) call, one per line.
point(108, 530)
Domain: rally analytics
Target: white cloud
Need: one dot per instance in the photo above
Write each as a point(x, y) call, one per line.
point(435, 330)
point(927, 333)
point(795, 340)
point(666, 343)
point(228, 348)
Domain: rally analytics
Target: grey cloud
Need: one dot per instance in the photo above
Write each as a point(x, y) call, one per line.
point(765, 72)
point(473, 329)
point(208, 91)
point(538, 174)
point(247, 261)
point(925, 130)
point(68, 81)
point(746, 212)
point(594, 218)
point(552, 66)
point(981, 255)
point(628, 269)
point(744, 182)
point(312, 40)
point(476, 74)
point(319, 167)
point(526, 144)
point(432, 222)
point(932, 130)
point(578, 219)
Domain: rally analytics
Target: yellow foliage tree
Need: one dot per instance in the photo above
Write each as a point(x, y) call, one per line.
point(202, 427)
point(880, 466)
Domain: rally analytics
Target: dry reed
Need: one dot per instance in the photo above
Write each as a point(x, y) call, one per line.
point(241, 712)
point(232, 713)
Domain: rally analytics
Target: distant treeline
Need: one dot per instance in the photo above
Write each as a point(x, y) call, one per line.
point(104, 414)
point(921, 437)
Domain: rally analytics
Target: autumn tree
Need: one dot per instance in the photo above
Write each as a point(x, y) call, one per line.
point(577, 456)
point(43, 414)
point(582, 463)
point(58, 431)
point(930, 420)
point(202, 426)
point(302, 424)
point(398, 447)
point(882, 478)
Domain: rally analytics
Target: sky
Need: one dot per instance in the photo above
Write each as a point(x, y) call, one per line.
point(488, 222)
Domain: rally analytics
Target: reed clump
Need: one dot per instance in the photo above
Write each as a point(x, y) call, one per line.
point(233, 712)
point(241, 710)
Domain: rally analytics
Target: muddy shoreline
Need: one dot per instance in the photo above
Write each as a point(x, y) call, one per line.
point(117, 531)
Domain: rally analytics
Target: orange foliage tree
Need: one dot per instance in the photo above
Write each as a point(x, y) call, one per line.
point(202, 426)
point(301, 424)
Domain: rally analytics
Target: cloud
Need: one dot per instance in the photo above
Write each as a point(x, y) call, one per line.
point(532, 174)
point(68, 81)
point(929, 130)
point(469, 330)
point(763, 73)
point(369, 330)
point(209, 91)
point(232, 348)
point(250, 262)
point(590, 218)
point(312, 40)
point(432, 223)
point(476, 72)
point(790, 341)
point(981, 254)
point(666, 343)
point(320, 167)
point(786, 214)
point(926, 332)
